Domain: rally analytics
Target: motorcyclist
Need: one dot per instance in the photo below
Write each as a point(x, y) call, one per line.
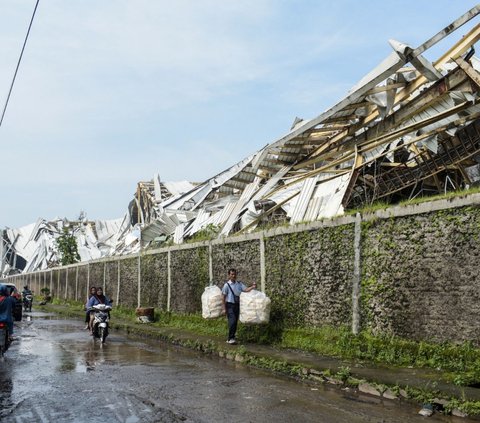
point(26, 291)
point(7, 303)
point(94, 300)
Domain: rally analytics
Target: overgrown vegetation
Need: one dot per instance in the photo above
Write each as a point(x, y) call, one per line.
point(382, 205)
point(208, 233)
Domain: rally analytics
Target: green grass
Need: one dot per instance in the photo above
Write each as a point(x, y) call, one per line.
point(192, 322)
point(461, 362)
point(382, 205)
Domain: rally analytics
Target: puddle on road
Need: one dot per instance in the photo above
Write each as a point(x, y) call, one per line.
point(147, 378)
point(74, 350)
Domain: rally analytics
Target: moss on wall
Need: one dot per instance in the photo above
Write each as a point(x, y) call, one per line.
point(111, 280)
point(82, 286)
point(309, 276)
point(129, 282)
point(154, 281)
point(96, 274)
point(420, 277)
point(189, 272)
point(243, 256)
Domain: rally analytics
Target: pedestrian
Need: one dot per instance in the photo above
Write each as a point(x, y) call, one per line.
point(92, 291)
point(96, 299)
point(231, 302)
point(7, 303)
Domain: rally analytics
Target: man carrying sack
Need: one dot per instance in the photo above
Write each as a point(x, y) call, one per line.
point(231, 302)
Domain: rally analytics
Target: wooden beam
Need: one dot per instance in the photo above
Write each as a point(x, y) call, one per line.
point(469, 70)
point(454, 52)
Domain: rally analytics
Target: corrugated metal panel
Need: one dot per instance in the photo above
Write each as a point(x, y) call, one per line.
point(198, 223)
point(331, 193)
point(246, 195)
point(178, 235)
point(312, 210)
point(303, 199)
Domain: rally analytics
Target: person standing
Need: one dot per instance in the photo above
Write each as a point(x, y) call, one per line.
point(231, 302)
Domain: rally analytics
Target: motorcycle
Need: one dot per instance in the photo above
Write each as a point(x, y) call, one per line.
point(4, 339)
point(27, 302)
point(101, 317)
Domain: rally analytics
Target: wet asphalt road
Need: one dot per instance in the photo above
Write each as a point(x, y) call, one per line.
point(55, 372)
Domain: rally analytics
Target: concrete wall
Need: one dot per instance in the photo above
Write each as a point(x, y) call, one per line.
point(415, 269)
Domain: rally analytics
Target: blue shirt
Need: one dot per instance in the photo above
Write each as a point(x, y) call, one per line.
point(237, 287)
point(94, 301)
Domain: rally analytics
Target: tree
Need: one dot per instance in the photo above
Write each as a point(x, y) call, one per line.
point(67, 246)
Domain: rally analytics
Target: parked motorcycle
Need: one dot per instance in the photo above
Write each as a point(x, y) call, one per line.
point(27, 302)
point(4, 338)
point(100, 321)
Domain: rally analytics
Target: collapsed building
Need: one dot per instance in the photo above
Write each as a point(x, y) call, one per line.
point(409, 128)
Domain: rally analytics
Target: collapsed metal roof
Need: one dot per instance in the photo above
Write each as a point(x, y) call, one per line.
point(407, 128)
point(410, 127)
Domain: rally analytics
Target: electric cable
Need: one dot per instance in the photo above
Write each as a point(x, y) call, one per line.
point(18, 64)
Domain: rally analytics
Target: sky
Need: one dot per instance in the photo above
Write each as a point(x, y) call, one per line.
point(111, 92)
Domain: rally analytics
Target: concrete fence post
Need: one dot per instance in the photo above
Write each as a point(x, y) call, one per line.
point(169, 278)
point(139, 279)
point(210, 263)
point(88, 276)
point(118, 283)
point(58, 283)
point(262, 263)
point(356, 275)
point(66, 283)
point(76, 283)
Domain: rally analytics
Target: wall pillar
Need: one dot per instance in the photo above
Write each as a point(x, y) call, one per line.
point(262, 263)
point(139, 279)
point(118, 282)
point(169, 278)
point(76, 283)
point(210, 263)
point(66, 283)
point(88, 277)
point(356, 275)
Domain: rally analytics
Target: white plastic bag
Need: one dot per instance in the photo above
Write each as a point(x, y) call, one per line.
point(212, 302)
point(254, 307)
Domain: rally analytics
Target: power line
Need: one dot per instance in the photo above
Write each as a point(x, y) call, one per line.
point(18, 64)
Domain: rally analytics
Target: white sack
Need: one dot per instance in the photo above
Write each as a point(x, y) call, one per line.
point(212, 302)
point(254, 307)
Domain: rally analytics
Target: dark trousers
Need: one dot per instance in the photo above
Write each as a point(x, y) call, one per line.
point(233, 311)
